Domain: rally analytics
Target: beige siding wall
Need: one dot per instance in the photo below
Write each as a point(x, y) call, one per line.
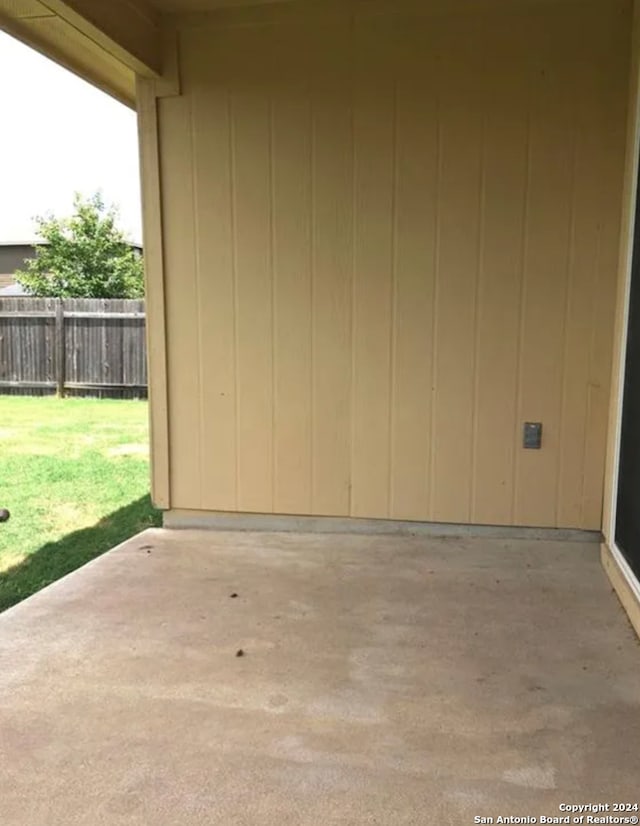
point(389, 240)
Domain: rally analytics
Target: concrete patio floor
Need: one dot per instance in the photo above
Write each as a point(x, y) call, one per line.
point(385, 680)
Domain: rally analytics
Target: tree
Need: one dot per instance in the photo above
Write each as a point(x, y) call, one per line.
point(84, 256)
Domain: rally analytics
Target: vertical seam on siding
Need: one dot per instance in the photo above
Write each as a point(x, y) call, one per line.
point(197, 270)
point(234, 274)
point(393, 301)
point(434, 312)
point(272, 272)
point(521, 310)
point(476, 320)
point(354, 224)
point(593, 327)
point(560, 461)
point(312, 299)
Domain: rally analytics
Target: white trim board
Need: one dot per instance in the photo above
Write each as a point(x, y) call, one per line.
point(628, 263)
point(624, 583)
point(625, 570)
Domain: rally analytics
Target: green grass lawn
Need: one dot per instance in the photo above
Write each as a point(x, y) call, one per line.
point(75, 475)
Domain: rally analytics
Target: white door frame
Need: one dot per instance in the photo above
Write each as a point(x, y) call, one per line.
point(634, 111)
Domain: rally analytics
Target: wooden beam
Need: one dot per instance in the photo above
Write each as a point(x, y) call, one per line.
point(57, 40)
point(128, 30)
point(72, 385)
point(96, 315)
point(18, 315)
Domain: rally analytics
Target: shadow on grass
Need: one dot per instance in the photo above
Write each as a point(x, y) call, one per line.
point(55, 559)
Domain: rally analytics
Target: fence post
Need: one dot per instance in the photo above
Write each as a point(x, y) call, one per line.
point(60, 354)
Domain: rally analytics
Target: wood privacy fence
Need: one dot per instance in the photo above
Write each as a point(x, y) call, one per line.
point(75, 346)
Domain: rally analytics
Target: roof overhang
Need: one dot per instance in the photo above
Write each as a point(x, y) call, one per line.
point(107, 42)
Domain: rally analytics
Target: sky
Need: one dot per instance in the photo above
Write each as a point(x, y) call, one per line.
point(59, 135)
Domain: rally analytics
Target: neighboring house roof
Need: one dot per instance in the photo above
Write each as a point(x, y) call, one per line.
point(22, 243)
point(13, 289)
